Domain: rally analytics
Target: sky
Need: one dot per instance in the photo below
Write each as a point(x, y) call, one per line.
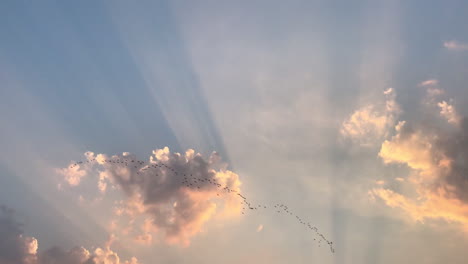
point(347, 115)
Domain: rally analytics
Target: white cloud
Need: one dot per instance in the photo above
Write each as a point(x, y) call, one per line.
point(448, 111)
point(73, 174)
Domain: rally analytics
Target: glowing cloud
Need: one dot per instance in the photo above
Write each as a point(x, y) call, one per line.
point(411, 149)
point(435, 152)
point(437, 157)
point(371, 123)
point(72, 175)
point(172, 194)
point(448, 111)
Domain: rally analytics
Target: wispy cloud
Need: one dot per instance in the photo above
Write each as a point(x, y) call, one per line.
point(259, 228)
point(447, 109)
point(430, 82)
point(455, 45)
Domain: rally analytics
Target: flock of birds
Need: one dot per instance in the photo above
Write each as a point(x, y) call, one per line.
point(192, 182)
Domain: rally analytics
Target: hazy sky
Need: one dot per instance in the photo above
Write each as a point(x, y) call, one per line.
point(351, 113)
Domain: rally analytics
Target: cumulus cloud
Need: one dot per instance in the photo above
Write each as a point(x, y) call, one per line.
point(371, 123)
point(16, 248)
point(80, 255)
point(448, 111)
point(434, 148)
point(455, 45)
point(409, 147)
point(76, 255)
point(72, 175)
point(437, 155)
point(171, 194)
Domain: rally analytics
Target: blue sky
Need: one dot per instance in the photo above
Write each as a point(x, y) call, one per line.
point(294, 96)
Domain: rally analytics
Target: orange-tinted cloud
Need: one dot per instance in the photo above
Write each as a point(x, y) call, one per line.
point(413, 149)
point(434, 148)
point(172, 195)
point(430, 205)
point(436, 154)
point(371, 123)
point(448, 111)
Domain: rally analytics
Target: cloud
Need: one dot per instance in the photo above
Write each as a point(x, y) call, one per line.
point(371, 123)
point(437, 156)
point(72, 175)
point(380, 182)
point(435, 152)
point(408, 147)
point(433, 206)
point(430, 82)
point(172, 194)
point(80, 255)
point(16, 248)
point(76, 255)
point(448, 111)
point(432, 91)
point(455, 45)
point(259, 228)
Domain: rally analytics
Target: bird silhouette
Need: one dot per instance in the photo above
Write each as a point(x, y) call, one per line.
point(197, 184)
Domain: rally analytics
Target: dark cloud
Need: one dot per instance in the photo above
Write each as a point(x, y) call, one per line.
point(77, 255)
point(454, 146)
point(16, 248)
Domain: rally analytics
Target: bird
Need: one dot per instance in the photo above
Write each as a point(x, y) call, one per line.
point(203, 181)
